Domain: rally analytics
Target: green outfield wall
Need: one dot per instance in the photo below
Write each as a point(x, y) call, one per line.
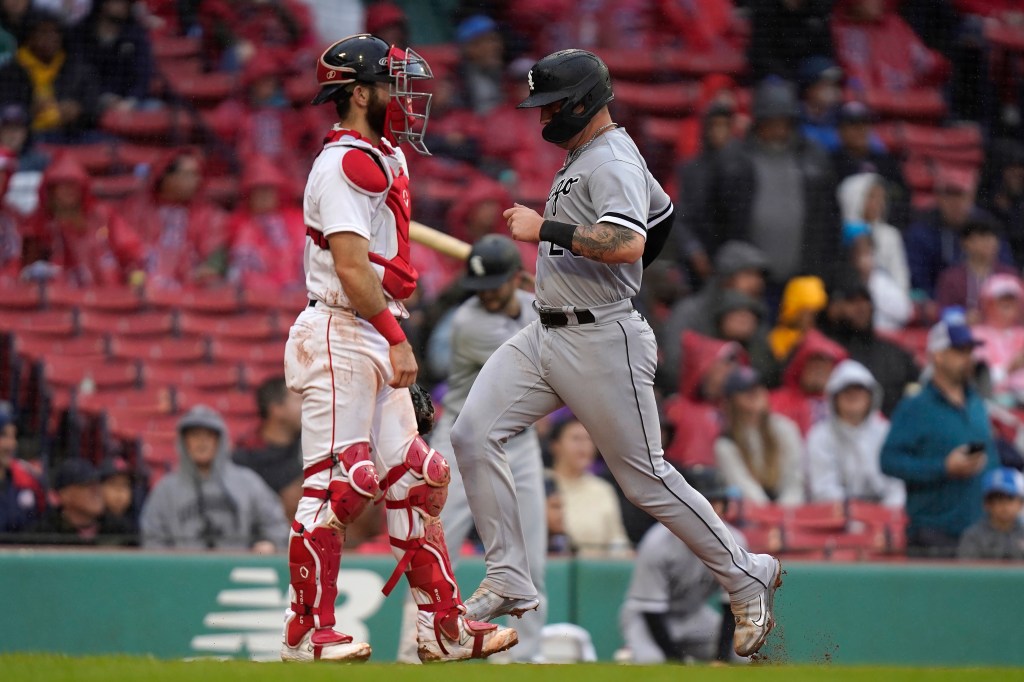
point(194, 605)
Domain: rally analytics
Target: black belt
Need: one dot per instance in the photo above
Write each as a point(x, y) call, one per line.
point(557, 318)
point(311, 304)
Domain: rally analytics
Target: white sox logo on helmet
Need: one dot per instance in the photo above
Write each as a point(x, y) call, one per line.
point(529, 79)
point(476, 264)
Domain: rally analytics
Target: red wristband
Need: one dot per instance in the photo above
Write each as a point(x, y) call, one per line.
point(387, 325)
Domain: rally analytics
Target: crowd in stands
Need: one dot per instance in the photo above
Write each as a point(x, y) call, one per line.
point(840, 313)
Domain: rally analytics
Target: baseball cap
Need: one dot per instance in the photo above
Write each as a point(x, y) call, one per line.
point(953, 332)
point(75, 472)
point(1003, 481)
point(741, 379)
point(493, 260)
point(818, 68)
point(855, 112)
point(115, 466)
point(13, 114)
point(1002, 285)
point(707, 481)
point(473, 27)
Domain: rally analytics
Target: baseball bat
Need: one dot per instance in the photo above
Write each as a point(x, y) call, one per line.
point(439, 241)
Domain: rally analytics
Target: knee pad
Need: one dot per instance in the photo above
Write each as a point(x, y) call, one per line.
point(430, 469)
point(314, 557)
point(349, 493)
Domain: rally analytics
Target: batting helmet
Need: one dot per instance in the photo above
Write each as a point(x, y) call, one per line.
point(493, 260)
point(574, 77)
point(707, 481)
point(364, 58)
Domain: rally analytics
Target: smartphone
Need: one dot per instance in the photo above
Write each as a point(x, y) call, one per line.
point(975, 448)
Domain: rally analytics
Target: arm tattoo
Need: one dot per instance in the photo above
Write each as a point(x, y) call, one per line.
point(598, 242)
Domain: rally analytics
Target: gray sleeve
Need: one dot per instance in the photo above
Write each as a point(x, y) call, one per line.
point(269, 522)
point(650, 589)
point(971, 544)
point(155, 523)
point(474, 339)
point(620, 194)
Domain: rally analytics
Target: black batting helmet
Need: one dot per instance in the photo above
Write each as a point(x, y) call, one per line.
point(579, 78)
point(707, 481)
point(493, 261)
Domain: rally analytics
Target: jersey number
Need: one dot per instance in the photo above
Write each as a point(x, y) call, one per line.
point(555, 250)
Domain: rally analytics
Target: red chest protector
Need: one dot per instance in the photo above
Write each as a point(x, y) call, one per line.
point(368, 170)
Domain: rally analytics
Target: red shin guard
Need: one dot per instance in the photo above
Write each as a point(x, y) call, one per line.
point(313, 561)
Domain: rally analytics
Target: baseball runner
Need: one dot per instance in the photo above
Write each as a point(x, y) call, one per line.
point(349, 359)
point(666, 615)
point(497, 312)
point(590, 350)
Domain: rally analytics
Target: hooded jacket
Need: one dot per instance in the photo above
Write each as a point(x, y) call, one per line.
point(97, 247)
point(790, 399)
point(231, 508)
point(800, 295)
point(842, 459)
point(1002, 346)
point(693, 418)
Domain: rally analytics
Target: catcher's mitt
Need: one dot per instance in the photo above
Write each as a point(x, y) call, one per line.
point(424, 408)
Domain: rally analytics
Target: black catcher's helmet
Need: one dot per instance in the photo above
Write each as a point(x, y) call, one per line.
point(576, 76)
point(365, 58)
point(493, 260)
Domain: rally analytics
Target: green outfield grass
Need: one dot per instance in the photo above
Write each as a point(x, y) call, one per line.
point(51, 668)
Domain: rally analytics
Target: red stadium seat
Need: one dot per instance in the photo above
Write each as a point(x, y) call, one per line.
point(88, 348)
point(289, 304)
point(919, 174)
point(251, 327)
point(115, 187)
point(136, 401)
point(917, 104)
point(1004, 35)
point(668, 99)
point(75, 373)
point(156, 124)
point(206, 89)
point(50, 322)
point(762, 514)
point(165, 351)
point(817, 516)
point(223, 191)
point(132, 155)
point(134, 325)
point(931, 137)
point(266, 353)
point(20, 297)
point(96, 157)
point(109, 299)
point(220, 300)
point(167, 46)
point(254, 375)
point(201, 377)
point(227, 403)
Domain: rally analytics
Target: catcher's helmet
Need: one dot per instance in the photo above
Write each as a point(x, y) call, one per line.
point(579, 78)
point(493, 260)
point(365, 58)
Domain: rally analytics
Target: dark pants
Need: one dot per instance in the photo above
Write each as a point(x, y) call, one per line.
point(929, 543)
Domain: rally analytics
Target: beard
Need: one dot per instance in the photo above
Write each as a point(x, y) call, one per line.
point(377, 112)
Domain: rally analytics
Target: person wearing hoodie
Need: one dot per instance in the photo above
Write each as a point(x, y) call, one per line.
point(185, 236)
point(894, 307)
point(775, 190)
point(739, 267)
point(801, 397)
point(1001, 332)
point(692, 414)
point(802, 300)
point(862, 201)
point(843, 450)
point(961, 285)
point(740, 318)
point(210, 502)
point(759, 451)
point(267, 232)
point(83, 241)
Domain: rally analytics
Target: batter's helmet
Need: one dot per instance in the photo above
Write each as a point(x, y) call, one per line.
point(575, 77)
point(493, 260)
point(364, 58)
point(707, 481)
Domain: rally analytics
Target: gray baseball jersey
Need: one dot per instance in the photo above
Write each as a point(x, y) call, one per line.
point(608, 183)
point(602, 370)
point(668, 578)
point(476, 334)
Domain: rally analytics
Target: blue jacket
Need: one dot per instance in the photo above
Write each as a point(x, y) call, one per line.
point(924, 429)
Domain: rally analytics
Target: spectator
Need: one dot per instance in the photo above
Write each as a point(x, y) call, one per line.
point(593, 518)
point(821, 95)
point(692, 414)
point(78, 517)
point(776, 191)
point(113, 42)
point(848, 321)
point(21, 496)
point(802, 300)
point(58, 88)
point(785, 33)
point(10, 234)
point(861, 152)
point(759, 451)
point(185, 236)
point(1001, 331)
point(722, 119)
point(1006, 196)
point(14, 16)
point(234, 32)
point(558, 541)
point(801, 397)
point(739, 267)
point(267, 232)
point(387, 21)
point(120, 514)
point(895, 307)
point(940, 443)
point(740, 318)
point(961, 284)
point(843, 450)
point(1000, 535)
point(862, 200)
point(667, 614)
point(481, 65)
point(932, 243)
point(85, 242)
point(274, 451)
point(210, 502)
point(879, 51)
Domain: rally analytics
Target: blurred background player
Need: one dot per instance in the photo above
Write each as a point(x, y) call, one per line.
point(497, 311)
point(351, 362)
